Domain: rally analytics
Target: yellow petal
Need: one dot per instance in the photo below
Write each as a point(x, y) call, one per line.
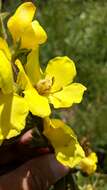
point(32, 67)
point(40, 34)
point(21, 19)
point(22, 79)
point(4, 47)
point(33, 35)
point(89, 163)
point(63, 70)
point(6, 76)
point(13, 113)
point(70, 156)
point(65, 98)
point(67, 149)
point(38, 104)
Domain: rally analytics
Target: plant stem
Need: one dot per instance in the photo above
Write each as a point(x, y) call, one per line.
point(2, 27)
point(0, 5)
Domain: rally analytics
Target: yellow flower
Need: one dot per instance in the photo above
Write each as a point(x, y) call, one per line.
point(89, 187)
point(89, 163)
point(67, 149)
point(13, 108)
point(40, 88)
point(56, 82)
point(23, 28)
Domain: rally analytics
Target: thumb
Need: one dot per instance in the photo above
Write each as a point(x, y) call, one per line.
point(39, 173)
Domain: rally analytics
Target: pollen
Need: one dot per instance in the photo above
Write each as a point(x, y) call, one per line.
point(44, 86)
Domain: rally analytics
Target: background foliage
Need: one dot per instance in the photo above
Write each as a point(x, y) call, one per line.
point(78, 29)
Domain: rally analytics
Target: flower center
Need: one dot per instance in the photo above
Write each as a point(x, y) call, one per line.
point(44, 86)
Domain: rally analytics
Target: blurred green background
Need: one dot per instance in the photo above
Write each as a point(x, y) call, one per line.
point(78, 29)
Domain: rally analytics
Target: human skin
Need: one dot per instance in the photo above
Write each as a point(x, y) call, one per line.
point(34, 173)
